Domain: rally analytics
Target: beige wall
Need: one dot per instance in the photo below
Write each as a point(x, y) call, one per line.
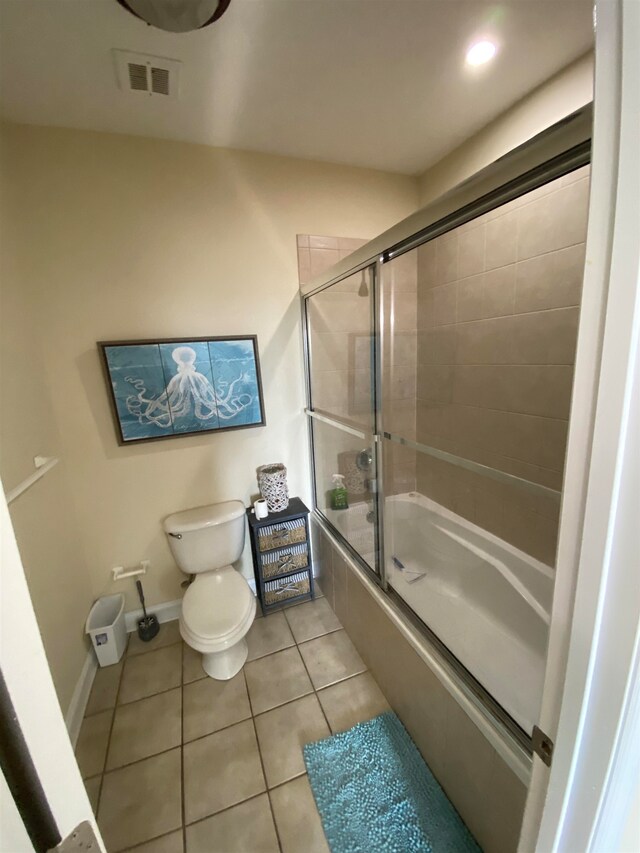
point(44, 519)
point(558, 97)
point(498, 306)
point(123, 237)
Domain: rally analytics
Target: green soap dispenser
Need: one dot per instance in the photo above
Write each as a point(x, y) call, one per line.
point(339, 494)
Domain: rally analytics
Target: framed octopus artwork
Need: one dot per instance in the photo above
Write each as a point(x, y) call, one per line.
point(183, 386)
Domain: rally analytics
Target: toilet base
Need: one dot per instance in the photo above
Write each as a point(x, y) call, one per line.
point(224, 665)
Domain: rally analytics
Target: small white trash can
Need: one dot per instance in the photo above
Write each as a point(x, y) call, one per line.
point(105, 625)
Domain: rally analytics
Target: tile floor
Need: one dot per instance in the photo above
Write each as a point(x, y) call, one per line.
point(175, 762)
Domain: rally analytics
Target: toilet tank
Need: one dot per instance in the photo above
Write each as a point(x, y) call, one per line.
point(207, 537)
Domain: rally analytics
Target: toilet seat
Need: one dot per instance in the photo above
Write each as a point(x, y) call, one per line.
point(217, 610)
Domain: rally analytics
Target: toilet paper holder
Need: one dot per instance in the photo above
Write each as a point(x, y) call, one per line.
point(120, 573)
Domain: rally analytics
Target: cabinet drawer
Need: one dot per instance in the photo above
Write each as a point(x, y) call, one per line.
point(284, 588)
point(279, 535)
point(285, 560)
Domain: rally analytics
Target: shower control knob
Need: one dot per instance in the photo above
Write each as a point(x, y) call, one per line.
point(364, 459)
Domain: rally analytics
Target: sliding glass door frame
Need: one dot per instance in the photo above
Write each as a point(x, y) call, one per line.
point(320, 415)
point(552, 154)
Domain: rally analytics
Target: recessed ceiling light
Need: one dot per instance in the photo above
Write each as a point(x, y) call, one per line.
point(481, 52)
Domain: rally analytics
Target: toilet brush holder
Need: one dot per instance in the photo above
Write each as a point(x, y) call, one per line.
point(148, 626)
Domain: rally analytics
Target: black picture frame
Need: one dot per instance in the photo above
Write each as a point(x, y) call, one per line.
point(161, 415)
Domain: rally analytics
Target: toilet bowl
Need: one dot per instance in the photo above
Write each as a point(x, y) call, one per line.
point(217, 611)
point(218, 607)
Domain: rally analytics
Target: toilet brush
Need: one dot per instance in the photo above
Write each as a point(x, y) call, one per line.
point(148, 626)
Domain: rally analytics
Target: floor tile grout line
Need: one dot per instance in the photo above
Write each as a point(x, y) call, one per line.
point(182, 788)
point(133, 701)
point(113, 719)
point(286, 781)
point(194, 740)
point(304, 695)
point(216, 731)
point(148, 696)
point(296, 644)
point(270, 654)
point(228, 808)
point(140, 760)
point(315, 692)
point(264, 772)
point(144, 843)
point(254, 715)
point(319, 636)
point(146, 651)
point(269, 788)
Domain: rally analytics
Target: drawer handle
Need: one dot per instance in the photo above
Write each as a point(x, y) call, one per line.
point(285, 588)
point(285, 561)
point(281, 533)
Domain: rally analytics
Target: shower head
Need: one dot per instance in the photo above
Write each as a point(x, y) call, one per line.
point(363, 290)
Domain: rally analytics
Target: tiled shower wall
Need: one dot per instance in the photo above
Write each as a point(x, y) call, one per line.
point(339, 338)
point(498, 306)
point(479, 360)
point(400, 369)
point(316, 253)
point(339, 328)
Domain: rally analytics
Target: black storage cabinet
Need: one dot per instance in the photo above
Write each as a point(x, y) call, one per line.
point(281, 551)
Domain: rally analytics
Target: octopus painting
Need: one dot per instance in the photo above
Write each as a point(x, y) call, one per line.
point(188, 391)
point(164, 389)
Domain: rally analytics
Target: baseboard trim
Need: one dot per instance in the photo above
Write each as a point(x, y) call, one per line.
point(78, 703)
point(166, 612)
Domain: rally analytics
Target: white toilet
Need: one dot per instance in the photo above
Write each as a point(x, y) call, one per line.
point(218, 607)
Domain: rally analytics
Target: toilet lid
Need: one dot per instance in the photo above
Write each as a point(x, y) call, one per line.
point(216, 603)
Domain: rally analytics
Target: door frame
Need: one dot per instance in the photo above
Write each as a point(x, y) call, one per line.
point(590, 707)
point(32, 694)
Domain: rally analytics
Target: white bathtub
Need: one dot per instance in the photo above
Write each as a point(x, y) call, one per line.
point(487, 601)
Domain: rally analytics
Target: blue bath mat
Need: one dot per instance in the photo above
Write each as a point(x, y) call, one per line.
point(375, 794)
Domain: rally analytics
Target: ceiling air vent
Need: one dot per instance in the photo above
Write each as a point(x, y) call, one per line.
point(160, 81)
point(149, 75)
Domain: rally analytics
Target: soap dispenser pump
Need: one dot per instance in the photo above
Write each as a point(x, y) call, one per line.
point(339, 494)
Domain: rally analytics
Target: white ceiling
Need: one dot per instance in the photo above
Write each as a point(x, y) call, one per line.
point(378, 83)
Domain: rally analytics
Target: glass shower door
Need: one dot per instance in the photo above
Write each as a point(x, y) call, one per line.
point(480, 329)
point(341, 352)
